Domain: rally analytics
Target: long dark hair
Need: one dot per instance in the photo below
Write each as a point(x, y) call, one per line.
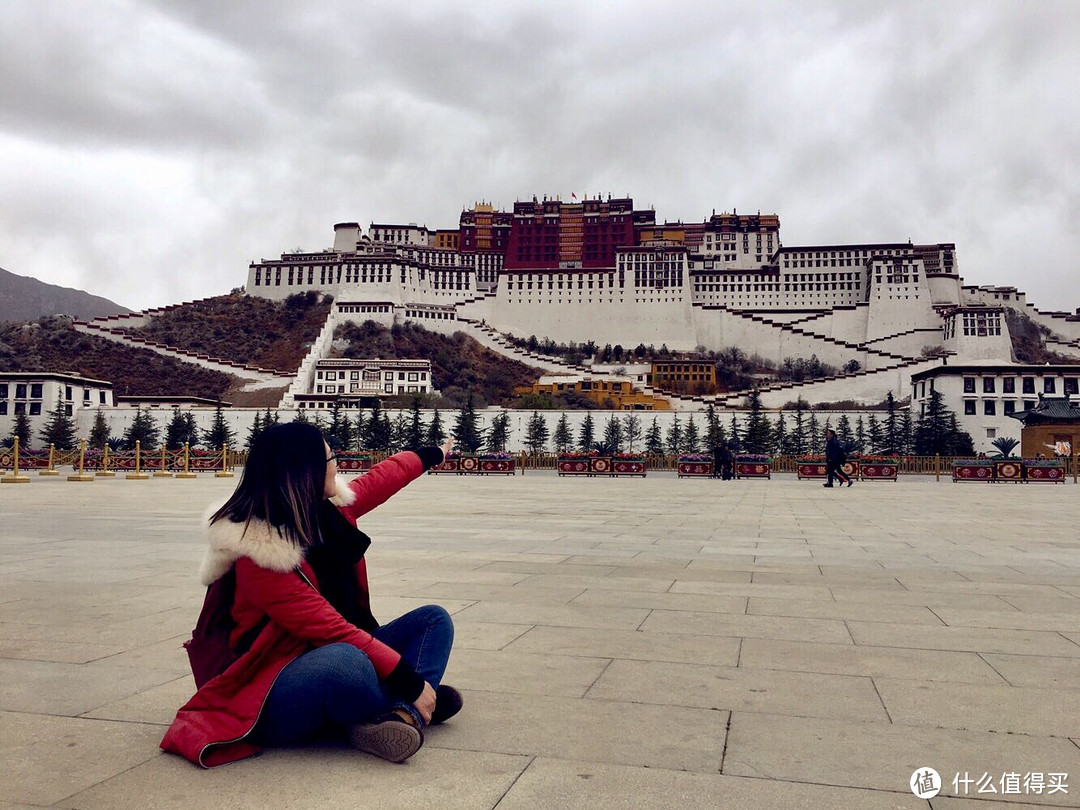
point(283, 483)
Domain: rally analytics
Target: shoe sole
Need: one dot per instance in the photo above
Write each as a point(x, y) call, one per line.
point(391, 740)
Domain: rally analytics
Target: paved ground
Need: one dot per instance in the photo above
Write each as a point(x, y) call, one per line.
point(628, 643)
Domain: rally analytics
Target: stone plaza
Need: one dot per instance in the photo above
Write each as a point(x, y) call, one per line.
point(645, 643)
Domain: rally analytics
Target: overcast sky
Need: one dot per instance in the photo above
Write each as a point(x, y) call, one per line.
point(150, 150)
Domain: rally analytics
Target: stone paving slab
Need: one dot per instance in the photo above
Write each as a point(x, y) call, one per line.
point(650, 643)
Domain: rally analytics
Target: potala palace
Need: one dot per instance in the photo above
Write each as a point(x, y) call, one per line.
point(604, 271)
point(599, 270)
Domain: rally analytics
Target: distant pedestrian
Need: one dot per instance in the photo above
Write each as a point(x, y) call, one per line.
point(835, 458)
point(727, 461)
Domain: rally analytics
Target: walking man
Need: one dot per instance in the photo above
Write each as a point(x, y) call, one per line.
point(835, 457)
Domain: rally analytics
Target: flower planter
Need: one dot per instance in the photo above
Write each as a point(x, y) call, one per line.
point(695, 469)
point(1009, 470)
point(496, 466)
point(351, 463)
point(877, 471)
point(753, 468)
point(629, 466)
point(28, 459)
point(811, 469)
point(575, 465)
point(972, 470)
point(1048, 471)
point(450, 465)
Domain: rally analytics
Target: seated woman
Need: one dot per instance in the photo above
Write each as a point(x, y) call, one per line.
point(310, 659)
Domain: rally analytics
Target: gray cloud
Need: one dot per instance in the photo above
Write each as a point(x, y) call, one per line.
point(149, 150)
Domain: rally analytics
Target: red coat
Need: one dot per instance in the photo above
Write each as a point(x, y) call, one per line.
point(212, 728)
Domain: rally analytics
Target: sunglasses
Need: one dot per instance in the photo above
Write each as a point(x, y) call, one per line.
point(333, 457)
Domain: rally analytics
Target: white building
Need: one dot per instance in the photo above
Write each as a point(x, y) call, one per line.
point(37, 394)
point(984, 394)
point(349, 382)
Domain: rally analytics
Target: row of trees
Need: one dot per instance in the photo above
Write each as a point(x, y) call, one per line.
point(935, 431)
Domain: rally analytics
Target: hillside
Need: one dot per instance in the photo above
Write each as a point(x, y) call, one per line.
point(51, 344)
point(458, 363)
point(270, 334)
point(24, 299)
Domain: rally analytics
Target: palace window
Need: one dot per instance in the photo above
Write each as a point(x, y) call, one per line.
point(989, 407)
point(969, 407)
point(988, 385)
point(969, 385)
point(1048, 385)
point(1008, 385)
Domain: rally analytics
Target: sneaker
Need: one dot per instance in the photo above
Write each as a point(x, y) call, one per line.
point(448, 702)
point(827, 485)
point(392, 737)
point(850, 481)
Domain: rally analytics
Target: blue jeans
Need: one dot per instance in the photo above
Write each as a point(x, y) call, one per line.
point(333, 687)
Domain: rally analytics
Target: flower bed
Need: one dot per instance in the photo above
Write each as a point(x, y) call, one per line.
point(1044, 470)
point(28, 459)
point(877, 469)
point(354, 462)
point(450, 464)
point(494, 464)
point(695, 466)
point(628, 464)
point(753, 466)
point(973, 469)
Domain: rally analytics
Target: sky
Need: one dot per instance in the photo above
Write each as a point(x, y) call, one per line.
point(149, 151)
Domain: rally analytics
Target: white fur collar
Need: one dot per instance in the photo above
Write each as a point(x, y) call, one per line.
point(258, 540)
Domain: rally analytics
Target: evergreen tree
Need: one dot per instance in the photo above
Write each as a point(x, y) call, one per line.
point(369, 436)
point(654, 444)
point(466, 433)
point(59, 430)
point(219, 433)
point(780, 437)
point(906, 436)
point(319, 422)
point(860, 435)
point(301, 416)
point(21, 430)
point(756, 438)
point(399, 432)
point(270, 418)
point(675, 437)
point(414, 437)
point(536, 434)
point(436, 434)
point(177, 424)
point(874, 437)
point(631, 430)
point(892, 425)
point(844, 435)
point(798, 441)
point(499, 433)
point(563, 438)
point(691, 437)
point(736, 433)
point(386, 432)
point(143, 429)
point(191, 430)
point(359, 432)
point(712, 428)
point(817, 441)
point(586, 437)
point(99, 433)
point(339, 432)
point(613, 434)
point(177, 430)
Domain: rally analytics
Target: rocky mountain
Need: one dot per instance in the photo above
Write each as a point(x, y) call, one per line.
point(25, 299)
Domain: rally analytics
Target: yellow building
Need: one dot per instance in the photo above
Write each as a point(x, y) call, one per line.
point(684, 376)
point(616, 395)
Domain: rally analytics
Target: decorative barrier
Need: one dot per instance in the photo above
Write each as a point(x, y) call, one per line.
point(628, 465)
point(483, 464)
point(753, 467)
point(584, 465)
point(354, 462)
point(1009, 470)
point(1049, 471)
point(695, 467)
point(972, 469)
point(449, 465)
point(877, 470)
point(811, 468)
